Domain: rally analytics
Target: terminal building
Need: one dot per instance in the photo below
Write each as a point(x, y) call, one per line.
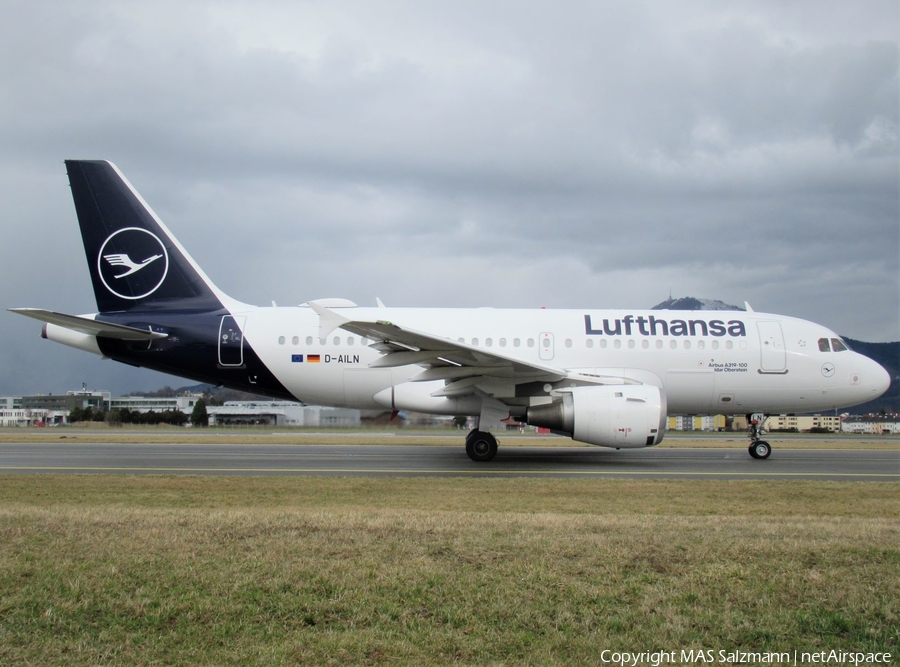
point(54, 409)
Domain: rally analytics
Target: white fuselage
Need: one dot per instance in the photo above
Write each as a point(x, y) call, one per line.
point(706, 361)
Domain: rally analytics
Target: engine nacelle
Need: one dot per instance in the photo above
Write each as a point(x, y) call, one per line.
point(606, 415)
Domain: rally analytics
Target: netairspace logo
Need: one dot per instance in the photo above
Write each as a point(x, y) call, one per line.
point(736, 657)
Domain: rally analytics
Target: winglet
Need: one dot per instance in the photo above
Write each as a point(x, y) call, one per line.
point(747, 307)
point(328, 319)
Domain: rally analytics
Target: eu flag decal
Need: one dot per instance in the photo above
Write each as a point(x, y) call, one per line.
point(296, 358)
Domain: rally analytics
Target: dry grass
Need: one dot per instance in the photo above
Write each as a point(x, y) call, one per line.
point(273, 571)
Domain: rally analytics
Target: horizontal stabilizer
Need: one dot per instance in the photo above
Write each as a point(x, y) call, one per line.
point(88, 326)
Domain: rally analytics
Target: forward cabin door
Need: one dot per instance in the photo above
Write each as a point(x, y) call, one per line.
point(773, 356)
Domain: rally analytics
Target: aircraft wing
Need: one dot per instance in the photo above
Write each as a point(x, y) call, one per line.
point(88, 326)
point(464, 368)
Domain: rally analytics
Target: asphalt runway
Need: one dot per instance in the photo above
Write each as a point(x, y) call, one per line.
point(446, 461)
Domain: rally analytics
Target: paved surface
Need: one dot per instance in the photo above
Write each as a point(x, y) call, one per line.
point(412, 460)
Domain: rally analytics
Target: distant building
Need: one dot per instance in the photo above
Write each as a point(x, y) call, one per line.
point(804, 423)
point(696, 423)
point(49, 409)
point(54, 409)
point(31, 417)
point(878, 425)
point(281, 413)
point(82, 398)
point(796, 423)
point(157, 404)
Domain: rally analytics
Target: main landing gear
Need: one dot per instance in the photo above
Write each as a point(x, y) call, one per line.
point(759, 449)
point(481, 446)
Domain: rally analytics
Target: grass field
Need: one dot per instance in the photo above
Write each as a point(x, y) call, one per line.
point(98, 570)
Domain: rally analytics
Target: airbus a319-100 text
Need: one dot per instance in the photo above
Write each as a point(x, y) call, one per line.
point(602, 377)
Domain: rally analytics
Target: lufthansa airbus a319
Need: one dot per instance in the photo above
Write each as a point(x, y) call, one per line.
point(601, 377)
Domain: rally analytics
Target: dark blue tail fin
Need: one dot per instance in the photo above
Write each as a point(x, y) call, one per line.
point(135, 262)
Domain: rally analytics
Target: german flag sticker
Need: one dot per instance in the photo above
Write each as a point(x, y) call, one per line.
point(313, 358)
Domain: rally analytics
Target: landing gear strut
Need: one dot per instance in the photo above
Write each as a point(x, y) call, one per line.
point(759, 448)
point(481, 446)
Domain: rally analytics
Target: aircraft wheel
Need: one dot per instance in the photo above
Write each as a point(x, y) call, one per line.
point(481, 446)
point(760, 449)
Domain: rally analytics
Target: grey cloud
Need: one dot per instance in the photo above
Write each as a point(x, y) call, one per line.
point(462, 154)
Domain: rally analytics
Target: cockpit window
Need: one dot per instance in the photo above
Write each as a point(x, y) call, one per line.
point(823, 345)
point(838, 345)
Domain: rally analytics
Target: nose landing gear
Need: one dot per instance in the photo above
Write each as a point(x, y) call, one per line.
point(759, 448)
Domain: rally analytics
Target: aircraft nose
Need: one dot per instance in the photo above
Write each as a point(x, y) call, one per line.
point(883, 381)
point(876, 377)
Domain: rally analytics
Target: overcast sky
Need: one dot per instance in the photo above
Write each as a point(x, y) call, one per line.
point(511, 154)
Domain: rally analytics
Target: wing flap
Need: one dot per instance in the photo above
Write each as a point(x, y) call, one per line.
point(407, 357)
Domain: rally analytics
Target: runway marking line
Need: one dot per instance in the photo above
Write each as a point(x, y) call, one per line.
point(454, 471)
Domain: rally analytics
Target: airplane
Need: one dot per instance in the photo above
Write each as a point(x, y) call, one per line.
point(602, 377)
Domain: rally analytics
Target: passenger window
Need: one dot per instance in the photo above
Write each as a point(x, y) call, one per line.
point(823, 345)
point(281, 340)
point(309, 340)
point(502, 342)
point(838, 345)
point(531, 342)
point(516, 342)
point(295, 340)
point(488, 342)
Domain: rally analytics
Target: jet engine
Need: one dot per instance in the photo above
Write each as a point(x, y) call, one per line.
point(608, 415)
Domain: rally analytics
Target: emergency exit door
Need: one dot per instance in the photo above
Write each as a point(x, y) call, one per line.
point(545, 346)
